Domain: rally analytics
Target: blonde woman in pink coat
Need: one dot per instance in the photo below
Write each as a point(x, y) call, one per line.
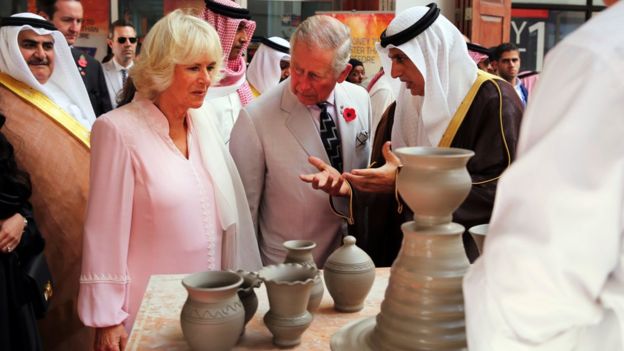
point(165, 196)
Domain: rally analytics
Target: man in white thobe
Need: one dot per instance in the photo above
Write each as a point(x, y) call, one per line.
point(552, 273)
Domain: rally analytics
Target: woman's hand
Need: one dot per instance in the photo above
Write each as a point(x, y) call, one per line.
point(11, 230)
point(111, 338)
point(327, 179)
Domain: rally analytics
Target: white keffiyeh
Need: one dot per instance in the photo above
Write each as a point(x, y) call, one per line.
point(264, 70)
point(65, 87)
point(441, 56)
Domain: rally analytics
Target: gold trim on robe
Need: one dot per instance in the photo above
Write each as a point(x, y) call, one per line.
point(462, 110)
point(48, 107)
point(254, 91)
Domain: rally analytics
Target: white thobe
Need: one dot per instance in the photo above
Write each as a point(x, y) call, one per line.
point(224, 112)
point(552, 274)
point(381, 96)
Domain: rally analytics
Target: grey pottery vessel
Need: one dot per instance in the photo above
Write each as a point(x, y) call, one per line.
point(288, 288)
point(349, 274)
point(423, 308)
point(478, 234)
point(247, 295)
point(300, 251)
point(212, 317)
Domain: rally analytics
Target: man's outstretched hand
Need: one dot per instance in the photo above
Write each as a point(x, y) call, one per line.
point(327, 179)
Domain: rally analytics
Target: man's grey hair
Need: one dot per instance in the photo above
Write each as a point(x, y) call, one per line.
point(326, 32)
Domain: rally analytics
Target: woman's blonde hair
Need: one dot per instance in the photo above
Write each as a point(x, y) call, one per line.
point(178, 38)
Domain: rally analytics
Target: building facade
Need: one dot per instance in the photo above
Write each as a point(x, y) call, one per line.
point(536, 25)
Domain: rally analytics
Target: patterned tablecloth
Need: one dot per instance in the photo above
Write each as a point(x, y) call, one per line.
point(157, 326)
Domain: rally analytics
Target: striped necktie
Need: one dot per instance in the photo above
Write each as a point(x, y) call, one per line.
point(124, 76)
point(330, 137)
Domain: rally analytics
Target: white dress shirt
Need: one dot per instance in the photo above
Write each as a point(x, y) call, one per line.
point(114, 78)
point(316, 111)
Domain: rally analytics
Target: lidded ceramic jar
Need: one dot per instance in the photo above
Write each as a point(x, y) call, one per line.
point(212, 317)
point(349, 274)
point(300, 251)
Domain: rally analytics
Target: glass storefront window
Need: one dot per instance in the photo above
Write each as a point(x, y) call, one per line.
point(280, 18)
point(535, 31)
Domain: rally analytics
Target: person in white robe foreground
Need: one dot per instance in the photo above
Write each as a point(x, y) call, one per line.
point(552, 273)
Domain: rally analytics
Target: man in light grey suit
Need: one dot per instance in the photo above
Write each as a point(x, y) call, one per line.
point(314, 113)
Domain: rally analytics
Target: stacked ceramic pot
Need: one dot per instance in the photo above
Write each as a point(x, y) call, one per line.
point(423, 308)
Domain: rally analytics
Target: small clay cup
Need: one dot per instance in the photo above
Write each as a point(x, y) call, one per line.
point(478, 233)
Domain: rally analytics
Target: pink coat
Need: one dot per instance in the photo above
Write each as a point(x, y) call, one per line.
point(150, 211)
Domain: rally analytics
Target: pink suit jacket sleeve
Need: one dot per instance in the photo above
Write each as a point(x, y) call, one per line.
point(104, 280)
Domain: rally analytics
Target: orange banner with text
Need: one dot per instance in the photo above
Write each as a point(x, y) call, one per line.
point(366, 27)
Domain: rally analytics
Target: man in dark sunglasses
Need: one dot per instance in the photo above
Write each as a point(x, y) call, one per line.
point(122, 40)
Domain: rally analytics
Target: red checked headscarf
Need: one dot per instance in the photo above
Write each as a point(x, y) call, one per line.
point(477, 57)
point(234, 70)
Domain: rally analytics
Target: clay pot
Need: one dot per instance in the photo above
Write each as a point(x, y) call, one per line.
point(300, 251)
point(433, 181)
point(247, 295)
point(478, 233)
point(212, 317)
point(288, 289)
point(349, 274)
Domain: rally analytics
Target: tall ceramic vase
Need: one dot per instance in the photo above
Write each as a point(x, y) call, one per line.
point(423, 308)
point(300, 251)
point(212, 317)
point(288, 288)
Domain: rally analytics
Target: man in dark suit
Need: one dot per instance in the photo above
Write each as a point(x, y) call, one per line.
point(67, 16)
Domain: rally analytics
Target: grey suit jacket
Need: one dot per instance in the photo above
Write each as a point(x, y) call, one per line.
point(113, 81)
point(271, 142)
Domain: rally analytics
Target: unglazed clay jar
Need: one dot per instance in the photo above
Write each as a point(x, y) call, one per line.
point(478, 234)
point(212, 317)
point(247, 295)
point(349, 274)
point(433, 181)
point(300, 251)
point(423, 308)
point(288, 288)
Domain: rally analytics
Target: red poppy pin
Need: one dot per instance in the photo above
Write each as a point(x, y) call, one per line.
point(348, 113)
point(82, 61)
